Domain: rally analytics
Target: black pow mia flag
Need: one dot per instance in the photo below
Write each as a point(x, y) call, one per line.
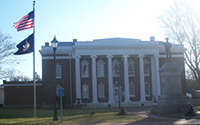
point(26, 46)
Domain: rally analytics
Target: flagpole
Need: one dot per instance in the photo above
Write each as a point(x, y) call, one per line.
point(34, 84)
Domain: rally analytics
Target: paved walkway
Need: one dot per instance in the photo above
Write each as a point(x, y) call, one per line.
point(166, 120)
point(169, 121)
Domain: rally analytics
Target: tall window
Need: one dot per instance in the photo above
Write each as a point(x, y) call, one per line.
point(101, 89)
point(100, 68)
point(115, 68)
point(131, 68)
point(58, 71)
point(85, 90)
point(84, 69)
point(147, 89)
point(146, 67)
point(132, 89)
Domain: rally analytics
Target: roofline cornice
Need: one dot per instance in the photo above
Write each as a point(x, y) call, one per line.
point(117, 47)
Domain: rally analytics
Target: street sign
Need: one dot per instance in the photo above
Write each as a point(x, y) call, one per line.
point(60, 92)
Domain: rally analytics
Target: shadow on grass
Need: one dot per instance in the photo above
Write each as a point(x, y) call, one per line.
point(72, 116)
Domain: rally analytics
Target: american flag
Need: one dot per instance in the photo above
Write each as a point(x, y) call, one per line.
point(26, 22)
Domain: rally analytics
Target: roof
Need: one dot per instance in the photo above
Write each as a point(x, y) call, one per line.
point(65, 43)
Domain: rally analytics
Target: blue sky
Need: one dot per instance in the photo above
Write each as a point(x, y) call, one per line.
point(81, 19)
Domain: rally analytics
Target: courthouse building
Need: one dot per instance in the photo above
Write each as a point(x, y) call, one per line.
point(97, 71)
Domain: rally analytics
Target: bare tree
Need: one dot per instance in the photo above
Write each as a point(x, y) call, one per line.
point(21, 78)
point(37, 77)
point(7, 60)
point(10, 74)
point(181, 24)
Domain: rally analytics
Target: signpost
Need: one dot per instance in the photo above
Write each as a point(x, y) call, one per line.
point(61, 94)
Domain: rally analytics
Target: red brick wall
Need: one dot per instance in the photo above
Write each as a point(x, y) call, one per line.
point(21, 95)
point(48, 79)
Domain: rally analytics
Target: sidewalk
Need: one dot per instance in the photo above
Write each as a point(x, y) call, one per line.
point(166, 120)
point(169, 121)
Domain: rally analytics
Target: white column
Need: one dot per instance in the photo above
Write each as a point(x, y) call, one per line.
point(110, 79)
point(78, 79)
point(126, 79)
point(142, 84)
point(153, 78)
point(157, 74)
point(94, 80)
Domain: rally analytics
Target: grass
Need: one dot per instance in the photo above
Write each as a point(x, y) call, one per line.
point(70, 116)
point(75, 116)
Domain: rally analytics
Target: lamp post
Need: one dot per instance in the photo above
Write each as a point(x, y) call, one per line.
point(54, 43)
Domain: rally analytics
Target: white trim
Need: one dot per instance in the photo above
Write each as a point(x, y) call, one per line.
point(126, 79)
point(8, 85)
point(110, 80)
point(58, 77)
point(117, 46)
point(57, 57)
point(78, 78)
point(68, 57)
point(94, 80)
point(142, 84)
point(164, 56)
point(153, 76)
point(157, 76)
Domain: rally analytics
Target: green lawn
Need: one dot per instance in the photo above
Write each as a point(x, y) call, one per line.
point(70, 116)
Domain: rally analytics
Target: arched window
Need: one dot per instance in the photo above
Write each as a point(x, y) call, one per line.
point(132, 89)
point(84, 69)
point(100, 68)
point(146, 67)
point(131, 67)
point(115, 68)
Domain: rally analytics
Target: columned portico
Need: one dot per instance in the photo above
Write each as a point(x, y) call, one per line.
point(94, 80)
point(78, 79)
point(142, 84)
point(126, 79)
point(97, 64)
point(110, 80)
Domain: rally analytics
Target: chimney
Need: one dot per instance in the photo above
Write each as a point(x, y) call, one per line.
point(47, 44)
point(74, 40)
point(152, 38)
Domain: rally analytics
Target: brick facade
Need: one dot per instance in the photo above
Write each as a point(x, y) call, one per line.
point(101, 49)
